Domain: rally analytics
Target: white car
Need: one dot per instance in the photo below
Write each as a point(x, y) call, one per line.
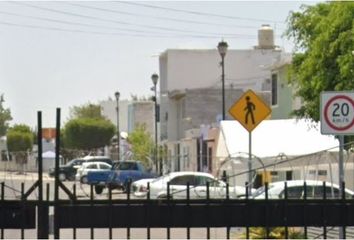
point(139, 188)
point(81, 174)
point(295, 189)
point(178, 186)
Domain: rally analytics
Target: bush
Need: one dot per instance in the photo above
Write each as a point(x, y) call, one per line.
point(88, 133)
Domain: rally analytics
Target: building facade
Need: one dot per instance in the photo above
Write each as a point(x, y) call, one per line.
point(191, 95)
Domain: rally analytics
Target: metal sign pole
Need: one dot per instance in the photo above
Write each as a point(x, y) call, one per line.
point(250, 163)
point(341, 175)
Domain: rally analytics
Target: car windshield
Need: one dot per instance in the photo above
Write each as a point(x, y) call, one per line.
point(126, 166)
point(72, 162)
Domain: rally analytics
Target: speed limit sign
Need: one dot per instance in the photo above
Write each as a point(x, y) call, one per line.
point(337, 113)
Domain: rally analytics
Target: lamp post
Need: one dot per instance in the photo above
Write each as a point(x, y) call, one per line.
point(155, 78)
point(117, 94)
point(222, 48)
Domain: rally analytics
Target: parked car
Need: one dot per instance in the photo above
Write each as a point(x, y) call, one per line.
point(178, 186)
point(68, 171)
point(86, 167)
point(295, 189)
point(139, 188)
point(119, 176)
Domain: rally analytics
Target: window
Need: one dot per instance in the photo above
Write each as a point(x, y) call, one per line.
point(183, 180)
point(274, 89)
point(91, 166)
point(104, 166)
point(127, 166)
point(202, 181)
point(293, 192)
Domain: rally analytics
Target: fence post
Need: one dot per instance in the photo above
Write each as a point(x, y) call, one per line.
point(56, 183)
point(42, 209)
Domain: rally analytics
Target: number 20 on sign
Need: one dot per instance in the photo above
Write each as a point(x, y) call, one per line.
point(337, 113)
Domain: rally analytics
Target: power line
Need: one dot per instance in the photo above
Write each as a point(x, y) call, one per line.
point(123, 22)
point(198, 13)
point(116, 33)
point(164, 18)
point(72, 23)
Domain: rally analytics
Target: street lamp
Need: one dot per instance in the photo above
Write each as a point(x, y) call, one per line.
point(117, 94)
point(155, 78)
point(222, 47)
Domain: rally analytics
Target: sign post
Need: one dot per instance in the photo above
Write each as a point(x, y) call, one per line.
point(337, 118)
point(249, 110)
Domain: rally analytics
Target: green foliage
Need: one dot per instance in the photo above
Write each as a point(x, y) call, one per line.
point(87, 111)
point(274, 233)
point(88, 133)
point(5, 117)
point(21, 128)
point(323, 34)
point(19, 138)
point(142, 144)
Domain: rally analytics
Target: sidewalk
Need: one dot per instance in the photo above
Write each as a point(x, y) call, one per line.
point(12, 175)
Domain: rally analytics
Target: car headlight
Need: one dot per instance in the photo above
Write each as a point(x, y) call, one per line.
point(143, 189)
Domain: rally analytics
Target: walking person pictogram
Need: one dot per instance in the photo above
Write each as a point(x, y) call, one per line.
point(250, 107)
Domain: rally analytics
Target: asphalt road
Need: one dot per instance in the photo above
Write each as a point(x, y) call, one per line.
point(14, 180)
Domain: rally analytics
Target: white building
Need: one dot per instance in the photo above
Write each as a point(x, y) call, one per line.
point(191, 91)
point(184, 71)
point(281, 150)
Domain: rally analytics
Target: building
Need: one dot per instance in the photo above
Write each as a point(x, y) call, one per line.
point(287, 149)
point(283, 100)
point(191, 95)
point(131, 114)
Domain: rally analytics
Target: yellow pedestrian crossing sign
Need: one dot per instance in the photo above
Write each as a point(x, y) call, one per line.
point(249, 110)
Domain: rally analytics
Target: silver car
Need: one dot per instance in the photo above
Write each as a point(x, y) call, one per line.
point(178, 186)
point(295, 190)
point(81, 174)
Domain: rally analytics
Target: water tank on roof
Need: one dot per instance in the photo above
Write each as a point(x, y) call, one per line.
point(265, 37)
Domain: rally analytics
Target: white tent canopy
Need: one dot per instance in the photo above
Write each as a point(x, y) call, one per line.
point(273, 137)
point(48, 154)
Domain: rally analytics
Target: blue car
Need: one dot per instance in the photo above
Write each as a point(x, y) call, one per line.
point(119, 176)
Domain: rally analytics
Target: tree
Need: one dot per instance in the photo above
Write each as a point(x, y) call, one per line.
point(5, 117)
point(323, 36)
point(142, 144)
point(88, 110)
point(87, 129)
point(88, 133)
point(19, 141)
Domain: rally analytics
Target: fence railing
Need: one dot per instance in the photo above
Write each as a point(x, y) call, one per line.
point(90, 213)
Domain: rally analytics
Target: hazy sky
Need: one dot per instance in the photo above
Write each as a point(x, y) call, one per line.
point(63, 54)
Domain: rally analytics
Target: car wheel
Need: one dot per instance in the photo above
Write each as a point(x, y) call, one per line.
point(62, 176)
point(98, 189)
point(125, 187)
point(71, 178)
point(83, 179)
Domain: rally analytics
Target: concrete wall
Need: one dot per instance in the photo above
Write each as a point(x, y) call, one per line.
point(109, 111)
point(191, 79)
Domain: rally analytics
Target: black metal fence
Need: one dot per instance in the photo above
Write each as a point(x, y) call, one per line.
point(174, 213)
point(168, 213)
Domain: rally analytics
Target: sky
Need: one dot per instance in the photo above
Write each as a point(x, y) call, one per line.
point(56, 54)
